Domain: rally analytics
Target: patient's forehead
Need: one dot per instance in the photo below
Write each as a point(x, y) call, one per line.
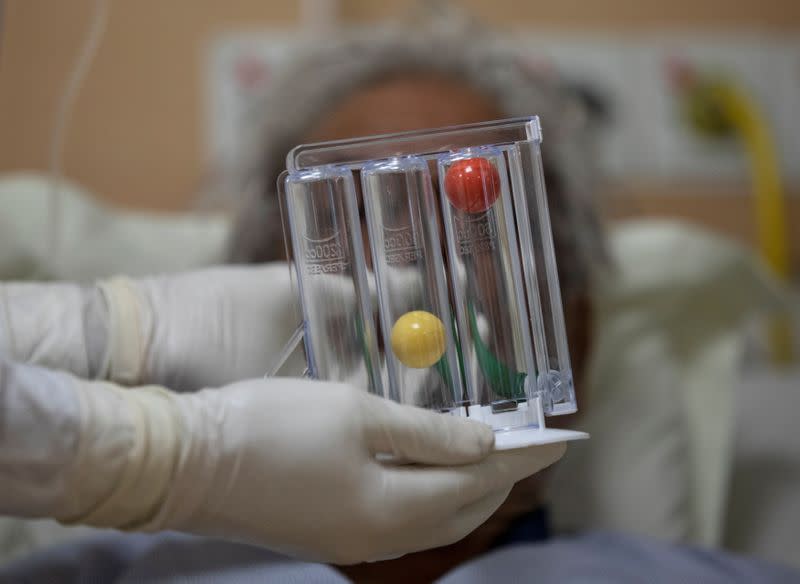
point(405, 102)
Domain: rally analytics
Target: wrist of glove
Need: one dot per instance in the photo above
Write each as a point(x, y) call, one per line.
point(290, 465)
point(198, 329)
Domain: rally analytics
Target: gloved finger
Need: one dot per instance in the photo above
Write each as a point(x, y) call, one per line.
point(457, 526)
point(468, 519)
point(419, 491)
point(416, 435)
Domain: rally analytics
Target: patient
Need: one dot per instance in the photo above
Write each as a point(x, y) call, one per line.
point(404, 83)
point(414, 84)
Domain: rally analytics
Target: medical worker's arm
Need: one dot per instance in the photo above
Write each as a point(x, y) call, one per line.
point(184, 331)
point(286, 464)
point(57, 325)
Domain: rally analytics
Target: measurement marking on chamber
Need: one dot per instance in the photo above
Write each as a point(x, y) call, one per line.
point(325, 256)
point(400, 245)
point(474, 235)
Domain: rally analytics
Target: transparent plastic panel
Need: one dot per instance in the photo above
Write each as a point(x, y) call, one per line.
point(443, 292)
point(555, 381)
point(416, 323)
point(419, 143)
point(488, 289)
point(328, 255)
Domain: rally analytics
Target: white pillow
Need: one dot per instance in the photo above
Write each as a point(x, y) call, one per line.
point(633, 474)
point(668, 343)
point(97, 240)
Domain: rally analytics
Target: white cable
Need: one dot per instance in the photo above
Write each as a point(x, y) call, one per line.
point(74, 82)
point(12, 343)
point(2, 21)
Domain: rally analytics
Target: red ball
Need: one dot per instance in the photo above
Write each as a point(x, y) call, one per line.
point(472, 185)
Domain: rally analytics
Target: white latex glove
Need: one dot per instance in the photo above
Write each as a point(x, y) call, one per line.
point(185, 331)
point(58, 325)
point(286, 464)
point(216, 326)
point(199, 329)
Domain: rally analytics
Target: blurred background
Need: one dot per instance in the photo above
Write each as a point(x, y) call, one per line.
point(693, 415)
point(188, 66)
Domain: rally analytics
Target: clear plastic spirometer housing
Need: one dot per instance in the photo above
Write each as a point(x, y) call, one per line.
point(426, 273)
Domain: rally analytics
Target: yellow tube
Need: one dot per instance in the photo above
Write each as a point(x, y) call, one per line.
point(770, 209)
point(747, 122)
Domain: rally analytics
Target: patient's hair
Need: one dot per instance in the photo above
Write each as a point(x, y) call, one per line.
point(323, 77)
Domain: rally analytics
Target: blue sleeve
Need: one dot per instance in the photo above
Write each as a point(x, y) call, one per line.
point(617, 559)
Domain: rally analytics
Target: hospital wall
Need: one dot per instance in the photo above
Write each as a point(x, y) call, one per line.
point(137, 135)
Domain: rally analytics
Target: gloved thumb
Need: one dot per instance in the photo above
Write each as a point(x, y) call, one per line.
point(416, 435)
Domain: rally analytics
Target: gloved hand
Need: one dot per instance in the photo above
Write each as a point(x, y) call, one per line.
point(219, 325)
point(199, 329)
point(286, 464)
point(185, 331)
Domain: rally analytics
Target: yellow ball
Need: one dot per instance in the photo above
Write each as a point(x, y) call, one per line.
point(418, 339)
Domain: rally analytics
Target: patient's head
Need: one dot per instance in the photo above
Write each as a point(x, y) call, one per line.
point(404, 82)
